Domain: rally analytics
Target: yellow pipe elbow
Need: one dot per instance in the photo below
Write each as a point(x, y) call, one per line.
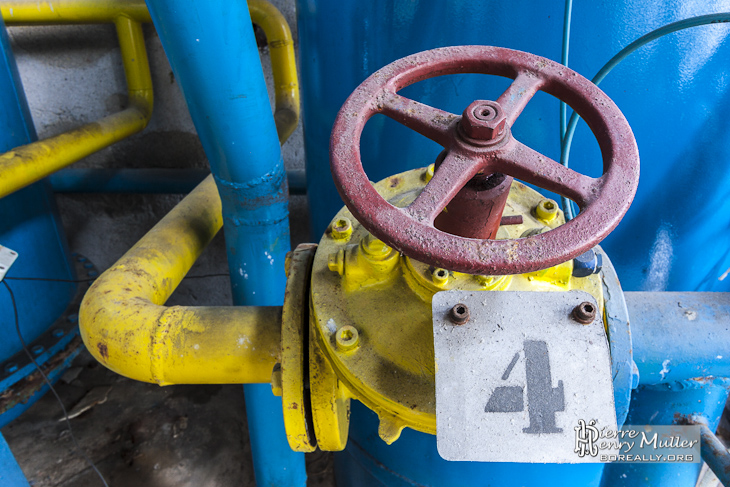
point(126, 328)
point(29, 163)
point(283, 65)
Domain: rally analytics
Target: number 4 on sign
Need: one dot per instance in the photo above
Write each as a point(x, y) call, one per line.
point(543, 400)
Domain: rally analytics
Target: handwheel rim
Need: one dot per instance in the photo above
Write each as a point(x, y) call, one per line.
point(420, 240)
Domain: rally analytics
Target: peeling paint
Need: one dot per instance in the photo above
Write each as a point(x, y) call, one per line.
point(664, 370)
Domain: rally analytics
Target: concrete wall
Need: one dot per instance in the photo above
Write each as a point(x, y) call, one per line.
point(73, 75)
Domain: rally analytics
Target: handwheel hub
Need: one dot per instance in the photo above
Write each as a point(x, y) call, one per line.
point(483, 120)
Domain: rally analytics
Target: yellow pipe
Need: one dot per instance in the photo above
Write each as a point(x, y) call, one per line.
point(283, 65)
point(122, 318)
point(26, 12)
point(126, 328)
point(29, 163)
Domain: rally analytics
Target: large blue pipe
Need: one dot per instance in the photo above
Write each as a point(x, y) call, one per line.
point(213, 53)
point(29, 223)
point(680, 343)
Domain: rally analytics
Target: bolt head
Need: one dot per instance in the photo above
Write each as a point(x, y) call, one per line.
point(587, 264)
point(440, 276)
point(483, 120)
point(347, 338)
point(374, 246)
point(584, 313)
point(459, 314)
point(341, 229)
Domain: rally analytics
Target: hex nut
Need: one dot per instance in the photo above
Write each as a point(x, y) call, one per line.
point(277, 381)
point(336, 262)
point(428, 173)
point(483, 120)
point(374, 247)
point(587, 264)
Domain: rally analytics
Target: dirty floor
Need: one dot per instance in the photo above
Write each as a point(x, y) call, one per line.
point(141, 435)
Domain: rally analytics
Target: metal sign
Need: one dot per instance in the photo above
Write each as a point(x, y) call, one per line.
point(519, 379)
point(7, 258)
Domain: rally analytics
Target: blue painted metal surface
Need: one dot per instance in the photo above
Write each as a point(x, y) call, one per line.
point(29, 224)
point(676, 337)
point(53, 375)
point(414, 461)
point(10, 473)
point(664, 404)
point(670, 91)
point(679, 336)
point(168, 181)
point(213, 53)
point(623, 369)
point(715, 454)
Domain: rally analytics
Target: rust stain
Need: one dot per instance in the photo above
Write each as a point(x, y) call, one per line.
point(103, 350)
point(23, 390)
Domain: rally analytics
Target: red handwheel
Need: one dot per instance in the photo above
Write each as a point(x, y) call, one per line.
point(480, 141)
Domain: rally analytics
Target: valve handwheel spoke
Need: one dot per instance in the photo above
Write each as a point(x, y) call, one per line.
point(453, 173)
point(530, 166)
point(522, 89)
point(480, 141)
point(428, 121)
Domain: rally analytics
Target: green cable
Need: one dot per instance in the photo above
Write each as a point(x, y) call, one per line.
point(567, 138)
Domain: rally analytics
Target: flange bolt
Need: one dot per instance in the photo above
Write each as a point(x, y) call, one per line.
point(459, 314)
point(587, 264)
point(584, 313)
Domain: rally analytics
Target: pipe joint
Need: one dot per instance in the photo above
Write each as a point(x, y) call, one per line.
point(259, 202)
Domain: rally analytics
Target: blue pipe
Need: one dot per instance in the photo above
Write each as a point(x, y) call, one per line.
point(679, 336)
point(212, 51)
point(715, 454)
point(664, 404)
point(144, 181)
point(680, 343)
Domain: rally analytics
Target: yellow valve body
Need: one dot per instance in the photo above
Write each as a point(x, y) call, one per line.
point(359, 282)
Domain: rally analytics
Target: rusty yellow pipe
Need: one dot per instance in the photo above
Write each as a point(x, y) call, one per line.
point(283, 65)
point(29, 163)
point(126, 328)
